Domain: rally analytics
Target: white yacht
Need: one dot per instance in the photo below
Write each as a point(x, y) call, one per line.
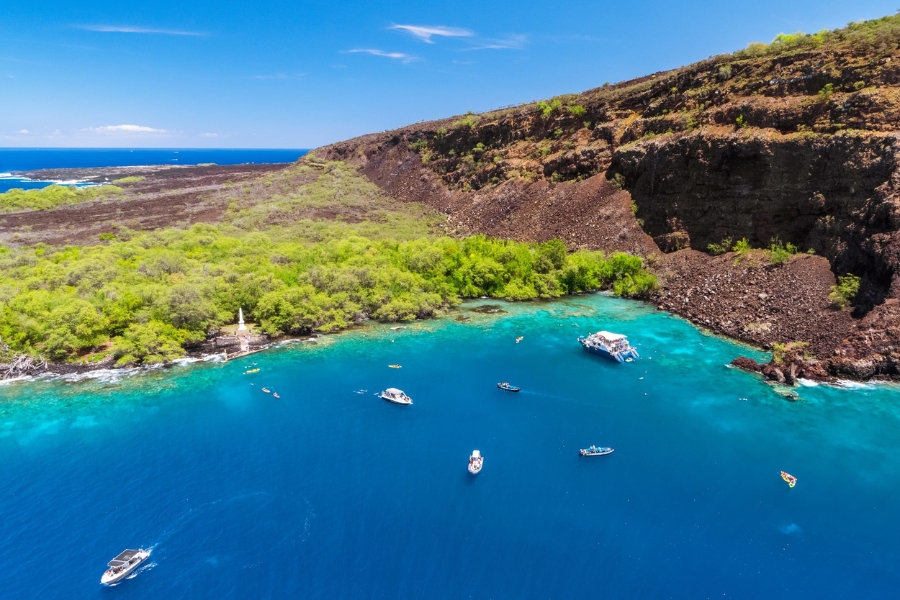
point(396, 396)
point(476, 461)
point(123, 565)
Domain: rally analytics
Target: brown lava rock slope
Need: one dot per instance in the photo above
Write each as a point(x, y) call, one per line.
point(796, 140)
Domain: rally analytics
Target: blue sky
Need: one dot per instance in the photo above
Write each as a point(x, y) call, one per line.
point(296, 74)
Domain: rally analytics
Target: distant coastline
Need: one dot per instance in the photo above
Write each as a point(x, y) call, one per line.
point(22, 167)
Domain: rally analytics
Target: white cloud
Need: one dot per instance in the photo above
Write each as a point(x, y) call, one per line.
point(24, 131)
point(126, 129)
point(143, 30)
point(512, 42)
point(425, 32)
point(395, 55)
point(209, 135)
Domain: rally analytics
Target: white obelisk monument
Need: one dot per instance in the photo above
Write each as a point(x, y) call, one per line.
point(241, 326)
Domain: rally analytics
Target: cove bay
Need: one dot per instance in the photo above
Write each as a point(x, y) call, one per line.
point(330, 492)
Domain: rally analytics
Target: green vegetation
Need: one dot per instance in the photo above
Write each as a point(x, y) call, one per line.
point(862, 36)
point(742, 248)
point(53, 196)
point(780, 352)
point(618, 180)
point(318, 249)
point(845, 291)
point(741, 122)
point(470, 120)
point(826, 92)
point(418, 146)
point(779, 253)
point(153, 293)
point(547, 108)
point(131, 179)
point(716, 249)
point(577, 110)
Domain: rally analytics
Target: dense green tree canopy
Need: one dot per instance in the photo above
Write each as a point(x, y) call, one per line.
point(144, 296)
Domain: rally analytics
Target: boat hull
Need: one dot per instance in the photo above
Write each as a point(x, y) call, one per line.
point(396, 400)
point(110, 580)
point(620, 357)
point(602, 453)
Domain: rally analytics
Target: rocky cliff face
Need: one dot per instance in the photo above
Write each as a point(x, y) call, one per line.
point(793, 141)
point(833, 194)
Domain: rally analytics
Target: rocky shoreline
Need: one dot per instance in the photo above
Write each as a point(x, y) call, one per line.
point(789, 364)
point(215, 346)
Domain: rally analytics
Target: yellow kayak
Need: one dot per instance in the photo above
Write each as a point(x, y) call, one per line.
point(790, 479)
point(395, 366)
point(251, 371)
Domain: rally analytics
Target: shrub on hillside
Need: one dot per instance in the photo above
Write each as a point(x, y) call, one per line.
point(742, 248)
point(717, 249)
point(843, 294)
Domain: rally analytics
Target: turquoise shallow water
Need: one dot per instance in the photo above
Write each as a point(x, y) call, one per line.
point(329, 493)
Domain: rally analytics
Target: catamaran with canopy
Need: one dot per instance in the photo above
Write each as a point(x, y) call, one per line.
point(610, 345)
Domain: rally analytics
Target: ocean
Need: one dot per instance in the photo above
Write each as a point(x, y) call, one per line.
point(27, 159)
point(330, 492)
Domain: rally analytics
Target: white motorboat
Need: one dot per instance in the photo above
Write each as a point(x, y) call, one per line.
point(595, 451)
point(123, 565)
point(476, 461)
point(396, 396)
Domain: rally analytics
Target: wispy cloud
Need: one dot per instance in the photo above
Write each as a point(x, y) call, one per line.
point(140, 129)
point(511, 42)
point(209, 135)
point(142, 30)
point(405, 58)
point(23, 131)
point(425, 32)
point(280, 76)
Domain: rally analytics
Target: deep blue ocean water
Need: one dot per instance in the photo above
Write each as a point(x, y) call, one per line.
point(328, 493)
point(27, 159)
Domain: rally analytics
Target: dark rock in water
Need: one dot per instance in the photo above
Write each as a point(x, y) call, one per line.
point(774, 373)
point(792, 367)
point(748, 364)
point(462, 318)
point(489, 309)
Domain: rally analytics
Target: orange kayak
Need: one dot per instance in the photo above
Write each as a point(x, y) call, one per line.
point(790, 479)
